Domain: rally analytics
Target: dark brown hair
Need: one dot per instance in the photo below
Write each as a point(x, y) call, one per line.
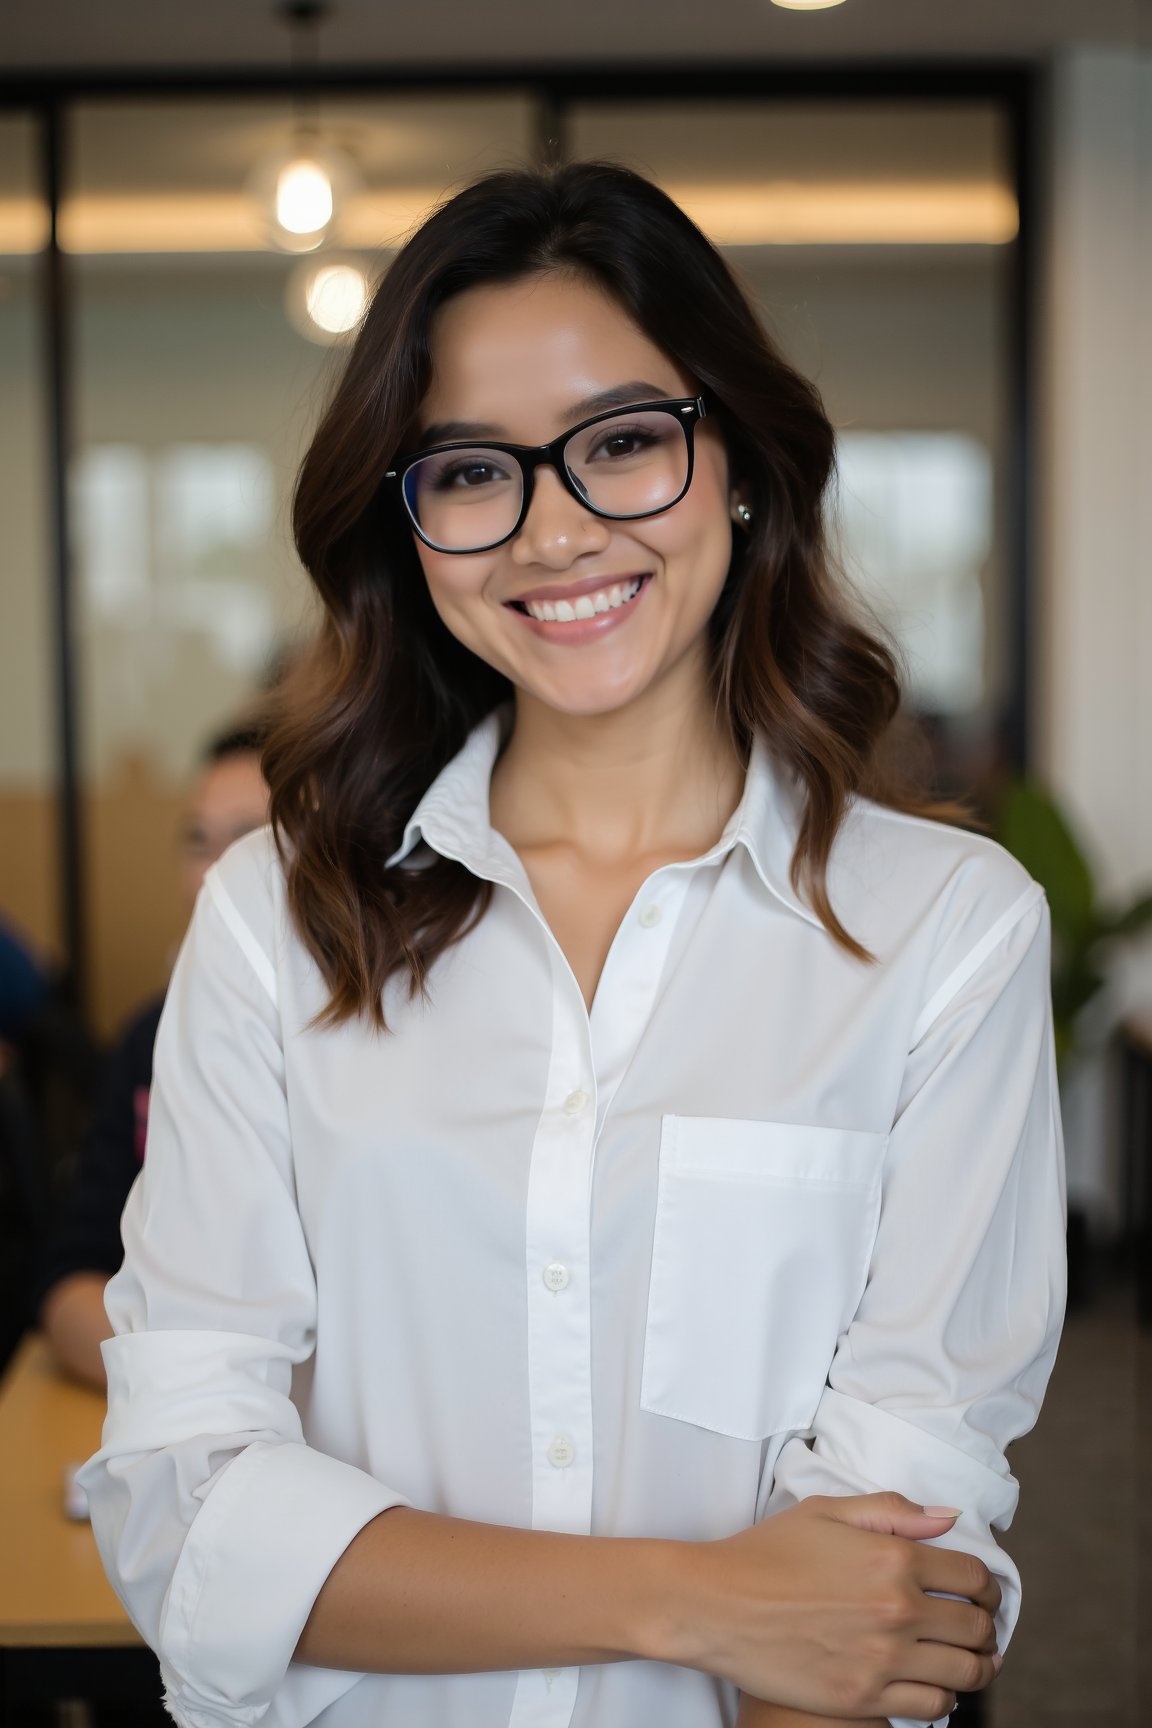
point(389, 695)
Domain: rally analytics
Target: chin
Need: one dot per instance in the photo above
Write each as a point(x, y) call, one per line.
point(584, 702)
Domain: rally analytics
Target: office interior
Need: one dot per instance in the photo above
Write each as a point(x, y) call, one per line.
point(945, 216)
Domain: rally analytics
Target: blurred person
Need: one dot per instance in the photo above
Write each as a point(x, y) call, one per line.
point(24, 987)
point(227, 800)
point(604, 1174)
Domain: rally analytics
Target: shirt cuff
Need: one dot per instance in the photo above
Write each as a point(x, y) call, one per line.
point(259, 1550)
point(858, 1448)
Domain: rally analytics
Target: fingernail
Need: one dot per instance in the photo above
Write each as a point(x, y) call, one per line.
point(943, 1511)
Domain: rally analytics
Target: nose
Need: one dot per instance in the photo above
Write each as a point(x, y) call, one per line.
point(557, 529)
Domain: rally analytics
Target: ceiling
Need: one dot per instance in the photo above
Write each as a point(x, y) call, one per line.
point(236, 35)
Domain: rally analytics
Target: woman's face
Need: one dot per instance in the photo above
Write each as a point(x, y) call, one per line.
point(525, 361)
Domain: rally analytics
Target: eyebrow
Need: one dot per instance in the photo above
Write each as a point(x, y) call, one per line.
point(619, 396)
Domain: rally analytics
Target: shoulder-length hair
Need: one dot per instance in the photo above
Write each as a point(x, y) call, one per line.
point(389, 695)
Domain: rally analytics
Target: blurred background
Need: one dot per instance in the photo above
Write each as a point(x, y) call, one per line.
point(945, 215)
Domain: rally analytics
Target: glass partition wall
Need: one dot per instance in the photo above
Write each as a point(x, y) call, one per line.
point(876, 238)
point(29, 866)
point(878, 235)
point(202, 358)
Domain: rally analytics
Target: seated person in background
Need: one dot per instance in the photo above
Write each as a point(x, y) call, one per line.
point(229, 798)
point(24, 985)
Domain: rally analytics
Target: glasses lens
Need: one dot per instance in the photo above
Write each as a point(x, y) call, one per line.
point(463, 500)
point(631, 465)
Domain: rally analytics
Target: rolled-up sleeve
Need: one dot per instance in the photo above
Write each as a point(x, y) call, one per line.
point(947, 1358)
point(216, 1522)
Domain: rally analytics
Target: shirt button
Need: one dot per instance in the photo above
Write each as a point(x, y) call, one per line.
point(575, 1102)
point(650, 916)
point(561, 1452)
point(555, 1275)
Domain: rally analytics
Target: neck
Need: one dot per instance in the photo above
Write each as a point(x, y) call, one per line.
point(659, 776)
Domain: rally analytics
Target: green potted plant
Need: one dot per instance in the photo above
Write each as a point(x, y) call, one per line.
point(1085, 930)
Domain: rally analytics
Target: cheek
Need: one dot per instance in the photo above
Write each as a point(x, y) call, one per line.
point(699, 530)
point(454, 585)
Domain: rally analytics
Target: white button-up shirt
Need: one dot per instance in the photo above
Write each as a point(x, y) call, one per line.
point(769, 1221)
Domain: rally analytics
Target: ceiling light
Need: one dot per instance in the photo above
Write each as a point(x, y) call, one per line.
point(299, 193)
point(336, 297)
point(816, 212)
point(301, 188)
point(303, 197)
point(852, 213)
point(326, 297)
point(807, 5)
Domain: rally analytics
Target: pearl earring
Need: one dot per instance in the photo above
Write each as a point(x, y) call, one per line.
point(744, 514)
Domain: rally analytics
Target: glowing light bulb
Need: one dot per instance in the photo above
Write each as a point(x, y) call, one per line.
point(335, 297)
point(303, 198)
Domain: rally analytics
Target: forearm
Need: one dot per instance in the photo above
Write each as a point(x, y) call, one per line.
point(74, 1322)
point(756, 1713)
point(421, 1594)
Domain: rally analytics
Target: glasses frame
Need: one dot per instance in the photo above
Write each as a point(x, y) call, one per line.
point(685, 410)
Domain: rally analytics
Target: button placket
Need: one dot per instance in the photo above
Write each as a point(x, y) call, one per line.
point(558, 1304)
point(631, 977)
point(561, 1452)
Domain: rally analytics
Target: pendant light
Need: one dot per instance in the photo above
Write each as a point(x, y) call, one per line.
point(300, 189)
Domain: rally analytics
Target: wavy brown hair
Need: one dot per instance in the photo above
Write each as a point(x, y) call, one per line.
point(388, 695)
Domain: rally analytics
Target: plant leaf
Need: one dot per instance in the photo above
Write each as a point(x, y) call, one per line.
point(1034, 829)
point(1129, 922)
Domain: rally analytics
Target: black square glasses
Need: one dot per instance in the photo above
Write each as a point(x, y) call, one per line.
point(472, 495)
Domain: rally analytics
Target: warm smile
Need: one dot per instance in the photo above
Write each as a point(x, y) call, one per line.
point(561, 611)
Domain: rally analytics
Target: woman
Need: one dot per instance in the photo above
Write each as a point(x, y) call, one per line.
point(604, 1137)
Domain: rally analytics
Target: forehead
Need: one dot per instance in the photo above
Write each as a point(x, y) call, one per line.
point(223, 788)
point(520, 355)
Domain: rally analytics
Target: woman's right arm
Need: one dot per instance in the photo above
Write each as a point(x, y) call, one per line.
point(822, 1608)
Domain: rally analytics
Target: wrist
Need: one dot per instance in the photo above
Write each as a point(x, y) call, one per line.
point(680, 1603)
point(660, 1597)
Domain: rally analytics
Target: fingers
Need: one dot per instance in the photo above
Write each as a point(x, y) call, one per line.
point(959, 1623)
point(946, 1570)
point(955, 1573)
point(951, 1669)
point(921, 1703)
point(886, 1514)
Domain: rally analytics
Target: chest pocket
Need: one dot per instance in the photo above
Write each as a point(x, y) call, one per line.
point(764, 1232)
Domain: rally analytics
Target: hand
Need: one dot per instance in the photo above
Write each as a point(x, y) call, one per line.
point(824, 1608)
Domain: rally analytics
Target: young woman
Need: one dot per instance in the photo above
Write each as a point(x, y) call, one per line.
point(602, 1135)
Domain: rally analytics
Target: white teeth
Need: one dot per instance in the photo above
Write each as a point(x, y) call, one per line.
point(587, 606)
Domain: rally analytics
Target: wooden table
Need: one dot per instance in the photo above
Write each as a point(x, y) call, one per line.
point(63, 1633)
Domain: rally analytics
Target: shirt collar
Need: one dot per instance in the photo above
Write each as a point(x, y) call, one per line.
point(453, 818)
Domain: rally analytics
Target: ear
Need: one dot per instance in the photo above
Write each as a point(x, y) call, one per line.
point(739, 509)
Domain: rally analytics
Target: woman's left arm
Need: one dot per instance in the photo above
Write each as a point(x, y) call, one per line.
point(755, 1713)
point(947, 1357)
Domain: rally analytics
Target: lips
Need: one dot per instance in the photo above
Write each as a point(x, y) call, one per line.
point(571, 591)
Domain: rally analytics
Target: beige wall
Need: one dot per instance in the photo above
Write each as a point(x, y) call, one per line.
point(134, 911)
point(1093, 605)
point(1094, 597)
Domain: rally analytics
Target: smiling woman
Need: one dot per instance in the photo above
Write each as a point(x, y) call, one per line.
point(603, 1174)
